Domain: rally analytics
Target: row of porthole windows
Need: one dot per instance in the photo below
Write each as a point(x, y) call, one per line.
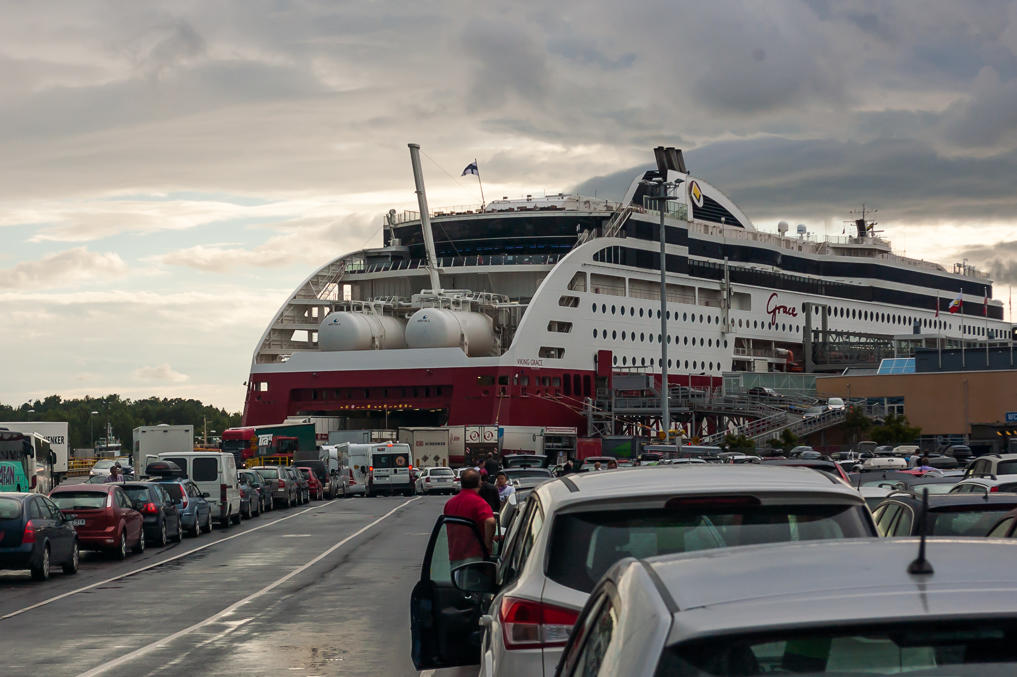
point(873, 316)
point(632, 311)
point(631, 336)
point(671, 363)
point(757, 324)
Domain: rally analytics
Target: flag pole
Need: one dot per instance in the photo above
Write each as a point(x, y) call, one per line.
point(985, 314)
point(939, 335)
point(483, 202)
point(1011, 327)
point(964, 363)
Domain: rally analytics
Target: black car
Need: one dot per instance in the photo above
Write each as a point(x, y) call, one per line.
point(262, 500)
point(162, 519)
point(949, 514)
point(34, 535)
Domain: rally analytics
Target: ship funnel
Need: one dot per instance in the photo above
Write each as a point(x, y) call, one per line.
point(669, 158)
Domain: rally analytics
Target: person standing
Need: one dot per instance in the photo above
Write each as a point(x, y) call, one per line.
point(505, 489)
point(491, 466)
point(463, 544)
point(568, 468)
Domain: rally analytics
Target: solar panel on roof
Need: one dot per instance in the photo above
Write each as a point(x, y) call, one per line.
point(897, 365)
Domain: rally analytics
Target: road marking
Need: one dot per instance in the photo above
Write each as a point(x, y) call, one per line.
point(117, 662)
point(151, 566)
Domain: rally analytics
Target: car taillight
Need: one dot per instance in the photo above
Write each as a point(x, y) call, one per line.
point(532, 625)
point(427, 479)
point(29, 535)
point(109, 500)
point(35, 480)
point(150, 508)
point(282, 484)
point(994, 489)
point(370, 468)
point(243, 494)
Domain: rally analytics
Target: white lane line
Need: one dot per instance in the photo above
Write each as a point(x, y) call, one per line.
point(117, 662)
point(152, 566)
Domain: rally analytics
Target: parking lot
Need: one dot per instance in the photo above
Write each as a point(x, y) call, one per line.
point(314, 590)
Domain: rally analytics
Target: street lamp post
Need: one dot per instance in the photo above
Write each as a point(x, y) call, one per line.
point(662, 198)
point(91, 437)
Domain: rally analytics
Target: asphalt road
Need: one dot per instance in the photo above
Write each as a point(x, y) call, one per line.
point(315, 590)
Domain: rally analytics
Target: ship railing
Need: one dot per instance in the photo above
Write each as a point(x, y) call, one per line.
point(462, 262)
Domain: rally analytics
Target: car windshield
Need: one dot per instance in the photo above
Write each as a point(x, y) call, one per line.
point(983, 648)
point(102, 465)
point(521, 460)
point(935, 487)
point(444, 472)
point(306, 472)
point(268, 473)
point(584, 545)
point(967, 521)
point(174, 490)
point(78, 500)
point(514, 473)
point(9, 509)
point(138, 493)
point(390, 460)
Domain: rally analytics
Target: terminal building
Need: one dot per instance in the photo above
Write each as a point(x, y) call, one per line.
point(955, 395)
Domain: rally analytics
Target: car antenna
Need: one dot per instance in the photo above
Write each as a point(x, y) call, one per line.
point(921, 566)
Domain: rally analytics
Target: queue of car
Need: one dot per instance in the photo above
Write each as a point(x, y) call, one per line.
point(180, 495)
point(657, 570)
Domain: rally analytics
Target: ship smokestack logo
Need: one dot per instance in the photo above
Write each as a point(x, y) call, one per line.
point(774, 309)
point(696, 192)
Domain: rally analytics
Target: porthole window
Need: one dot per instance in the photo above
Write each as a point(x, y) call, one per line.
point(711, 366)
point(658, 314)
point(685, 317)
point(651, 361)
point(642, 337)
point(725, 343)
point(594, 333)
point(686, 340)
point(669, 340)
point(686, 364)
point(623, 335)
point(615, 359)
point(669, 363)
point(632, 311)
point(594, 307)
point(640, 312)
point(669, 316)
point(694, 363)
point(614, 334)
point(642, 361)
point(612, 310)
point(603, 308)
point(755, 324)
point(709, 343)
point(625, 360)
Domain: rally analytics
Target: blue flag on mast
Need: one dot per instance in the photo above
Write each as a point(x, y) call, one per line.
point(471, 169)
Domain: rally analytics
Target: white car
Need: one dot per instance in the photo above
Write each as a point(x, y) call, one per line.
point(802, 609)
point(101, 468)
point(571, 530)
point(835, 404)
point(436, 481)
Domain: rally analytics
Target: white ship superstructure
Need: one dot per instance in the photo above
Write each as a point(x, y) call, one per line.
point(541, 296)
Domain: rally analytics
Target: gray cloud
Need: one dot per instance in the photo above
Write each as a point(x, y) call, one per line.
point(71, 266)
point(999, 259)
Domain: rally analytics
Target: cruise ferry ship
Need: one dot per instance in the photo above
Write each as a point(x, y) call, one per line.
point(514, 312)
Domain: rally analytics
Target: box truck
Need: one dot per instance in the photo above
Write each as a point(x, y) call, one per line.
point(55, 433)
point(152, 440)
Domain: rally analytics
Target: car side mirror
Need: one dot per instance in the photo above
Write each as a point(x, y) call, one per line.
point(476, 577)
point(206, 495)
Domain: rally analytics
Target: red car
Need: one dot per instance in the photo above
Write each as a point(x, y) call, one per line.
point(314, 486)
point(104, 517)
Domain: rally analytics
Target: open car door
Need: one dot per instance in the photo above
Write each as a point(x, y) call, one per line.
point(444, 620)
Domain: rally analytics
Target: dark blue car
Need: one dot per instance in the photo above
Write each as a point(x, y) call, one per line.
point(195, 511)
point(34, 535)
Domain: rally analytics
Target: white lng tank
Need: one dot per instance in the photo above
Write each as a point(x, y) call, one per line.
point(441, 328)
point(347, 330)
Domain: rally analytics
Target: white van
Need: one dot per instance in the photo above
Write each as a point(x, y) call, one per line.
point(215, 473)
point(390, 469)
point(355, 459)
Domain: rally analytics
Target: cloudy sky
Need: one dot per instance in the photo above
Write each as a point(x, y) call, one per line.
point(169, 174)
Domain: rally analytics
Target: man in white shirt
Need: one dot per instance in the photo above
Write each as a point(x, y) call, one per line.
point(505, 489)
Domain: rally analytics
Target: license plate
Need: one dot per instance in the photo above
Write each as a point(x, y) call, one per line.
point(78, 523)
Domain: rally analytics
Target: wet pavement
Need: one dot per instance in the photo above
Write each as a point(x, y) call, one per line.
point(321, 589)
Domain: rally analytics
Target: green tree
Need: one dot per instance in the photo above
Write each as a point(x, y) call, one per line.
point(856, 424)
point(786, 442)
point(895, 430)
point(740, 443)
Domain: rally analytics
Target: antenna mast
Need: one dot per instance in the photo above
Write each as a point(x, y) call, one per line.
point(425, 218)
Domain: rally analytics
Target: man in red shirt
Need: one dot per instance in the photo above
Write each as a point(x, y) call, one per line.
point(463, 545)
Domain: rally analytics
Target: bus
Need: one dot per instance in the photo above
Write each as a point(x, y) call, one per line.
point(26, 462)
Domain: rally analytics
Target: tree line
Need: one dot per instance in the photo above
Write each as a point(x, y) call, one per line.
point(123, 415)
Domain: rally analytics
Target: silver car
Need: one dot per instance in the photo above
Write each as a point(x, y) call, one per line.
point(436, 481)
point(804, 609)
point(573, 529)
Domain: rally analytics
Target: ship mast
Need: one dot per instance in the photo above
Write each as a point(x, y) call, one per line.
point(425, 219)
